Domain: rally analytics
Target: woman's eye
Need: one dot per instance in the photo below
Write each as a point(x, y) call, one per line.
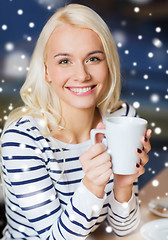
point(94, 59)
point(64, 61)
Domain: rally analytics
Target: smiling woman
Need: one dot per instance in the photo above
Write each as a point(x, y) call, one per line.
point(79, 78)
point(57, 184)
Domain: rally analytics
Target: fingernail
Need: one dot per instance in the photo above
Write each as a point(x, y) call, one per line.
point(145, 139)
point(139, 150)
point(137, 165)
point(150, 131)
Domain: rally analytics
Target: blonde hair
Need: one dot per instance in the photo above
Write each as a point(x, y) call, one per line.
point(37, 94)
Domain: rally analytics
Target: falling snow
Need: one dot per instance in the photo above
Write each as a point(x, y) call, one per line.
point(155, 98)
point(145, 76)
point(16, 65)
point(140, 37)
point(157, 43)
point(31, 24)
point(158, 29)
point(136, 105)
point(4, 27)
point(9, 46)
point(20, 12)
point(155, 183)
point(136, 9)
point(164, 148)
point(109, 229)
point(150, 55)
point(157, 130)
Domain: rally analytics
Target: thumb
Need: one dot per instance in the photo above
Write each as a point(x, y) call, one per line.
point(99, 136)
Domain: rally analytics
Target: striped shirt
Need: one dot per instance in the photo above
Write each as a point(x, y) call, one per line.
point(40, 204)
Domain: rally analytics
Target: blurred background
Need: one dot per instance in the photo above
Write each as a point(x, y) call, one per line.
point(140, 29)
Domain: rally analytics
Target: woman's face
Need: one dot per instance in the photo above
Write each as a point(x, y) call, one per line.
point(76, 66)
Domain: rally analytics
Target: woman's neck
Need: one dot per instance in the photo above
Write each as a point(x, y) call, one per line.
point(77, 124)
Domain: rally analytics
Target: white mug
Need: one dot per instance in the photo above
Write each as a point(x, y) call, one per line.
point(123, 136)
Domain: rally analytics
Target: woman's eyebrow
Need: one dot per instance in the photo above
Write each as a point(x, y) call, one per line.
point(63, 54)
point(96, 51)
point(69, 55)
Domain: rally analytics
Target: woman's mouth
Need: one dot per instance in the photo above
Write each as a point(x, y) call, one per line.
point(81, 91)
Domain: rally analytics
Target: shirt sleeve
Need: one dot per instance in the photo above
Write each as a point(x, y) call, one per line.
point(125, 110)
point(30, 188)
point(124, 217)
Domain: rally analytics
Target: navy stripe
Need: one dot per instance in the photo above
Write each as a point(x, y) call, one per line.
point(34, 180)
point(80, 225)
point(33, 128)
point(103, 214)
point(72, 159)
point(77, 223)
point(58, 223)
point(82, 214)
point(45, 149)
point(70, 231)
point(29, 169)
point(121, 216)
point(115, 219)
point(108, 193)
point(62, 160)
point(12, 237)
point(19, 122)
point(17, 213)
point(44, 230)
point(7, 182)
point(123, 226)
point(24, 134)
point(69, 182)
point(130, 219)
point(136, 114)
point(123, 230)
point(36, 205)
point(13, 203)
point(17, 144)
point(62, 202)
point(14, 220)
point(65, 194)
point(34, 193)
point(127, 109)
point(106, 205)
point(98, 223)
point(11, 192)
point(22, 158)
point(66, 171)
point(45, 215)
point(18, 231)
point(110, 181)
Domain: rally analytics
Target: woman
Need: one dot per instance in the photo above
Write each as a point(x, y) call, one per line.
point(57, 185)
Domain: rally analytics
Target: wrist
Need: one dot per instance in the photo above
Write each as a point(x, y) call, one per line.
point(97, 190)
point(122, 194)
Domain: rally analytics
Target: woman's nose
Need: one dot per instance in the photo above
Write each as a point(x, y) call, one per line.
point(81, 73)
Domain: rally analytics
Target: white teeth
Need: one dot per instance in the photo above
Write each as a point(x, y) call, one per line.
point(80, 90)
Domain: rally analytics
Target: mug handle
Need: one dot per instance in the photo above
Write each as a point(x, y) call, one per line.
point(93, 133)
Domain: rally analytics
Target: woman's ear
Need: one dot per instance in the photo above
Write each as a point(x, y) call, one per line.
point(46, 73)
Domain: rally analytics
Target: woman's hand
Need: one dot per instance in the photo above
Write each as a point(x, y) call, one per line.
point(142, 154)
point(96, 164)
point(123, 183)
